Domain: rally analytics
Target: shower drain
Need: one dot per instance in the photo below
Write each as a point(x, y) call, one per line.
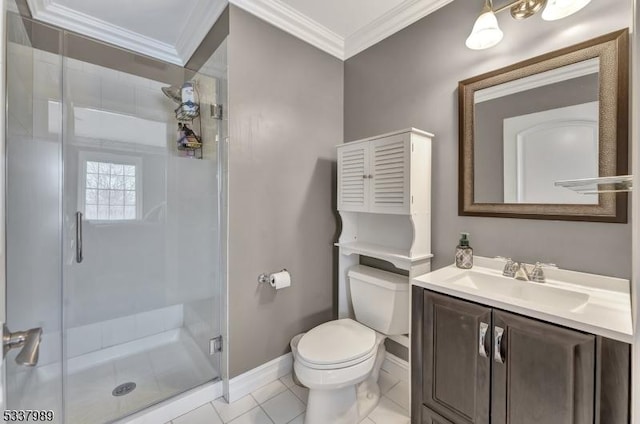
point(124, 389)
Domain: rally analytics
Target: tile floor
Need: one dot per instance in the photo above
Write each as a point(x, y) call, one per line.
point(283, 402)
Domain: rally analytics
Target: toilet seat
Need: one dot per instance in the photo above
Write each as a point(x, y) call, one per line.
point(337, 344)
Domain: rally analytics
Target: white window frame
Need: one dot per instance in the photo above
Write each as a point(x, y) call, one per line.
point(93, 156)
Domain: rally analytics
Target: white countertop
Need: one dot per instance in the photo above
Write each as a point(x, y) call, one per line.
point(607, 313)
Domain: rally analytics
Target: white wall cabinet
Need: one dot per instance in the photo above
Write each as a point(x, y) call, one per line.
point(389, 174)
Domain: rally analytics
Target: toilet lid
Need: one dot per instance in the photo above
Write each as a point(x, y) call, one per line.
point(336, 342)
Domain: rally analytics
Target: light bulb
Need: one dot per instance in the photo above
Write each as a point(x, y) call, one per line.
point(558, 9)
point(485, 33)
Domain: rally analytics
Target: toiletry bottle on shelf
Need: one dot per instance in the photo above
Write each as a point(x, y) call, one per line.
point(464, 252)
point(189, 104)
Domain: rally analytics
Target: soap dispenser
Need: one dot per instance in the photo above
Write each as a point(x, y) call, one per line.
point(464, 252)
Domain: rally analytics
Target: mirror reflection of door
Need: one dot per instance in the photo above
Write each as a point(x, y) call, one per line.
point(534, 131)
point(545, 147)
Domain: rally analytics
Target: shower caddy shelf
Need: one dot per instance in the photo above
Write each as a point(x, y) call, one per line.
point(193, 149)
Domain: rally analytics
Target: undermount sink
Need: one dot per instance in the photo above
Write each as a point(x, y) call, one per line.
point(535, 293)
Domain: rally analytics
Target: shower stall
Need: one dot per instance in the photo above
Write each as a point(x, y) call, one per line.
point(115, 232)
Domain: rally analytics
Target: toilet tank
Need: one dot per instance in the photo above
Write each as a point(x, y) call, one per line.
point(380, 299)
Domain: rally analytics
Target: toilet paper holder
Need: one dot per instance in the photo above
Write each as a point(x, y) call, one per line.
point(266, 278)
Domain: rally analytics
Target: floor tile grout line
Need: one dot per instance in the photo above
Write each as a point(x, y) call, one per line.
point(243, 414)
point(215, 410)
point(266, 414)
point(392, 387)
point(268, 399)
point(254, 399)
point(294, 395)
point(394, 402)
point(298, 397)
point(297, 416)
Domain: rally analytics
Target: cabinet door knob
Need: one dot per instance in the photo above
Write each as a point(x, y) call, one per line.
point(482, 339)
point(497, 347)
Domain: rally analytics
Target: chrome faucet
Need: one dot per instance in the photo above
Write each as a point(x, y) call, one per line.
point(519, 271)
point(28, 340)
point(510, 267)
point(537, 275)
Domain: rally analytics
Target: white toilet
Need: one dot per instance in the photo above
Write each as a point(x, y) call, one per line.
point(339, 361)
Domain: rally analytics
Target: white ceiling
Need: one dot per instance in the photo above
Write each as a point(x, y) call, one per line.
point(171, 30)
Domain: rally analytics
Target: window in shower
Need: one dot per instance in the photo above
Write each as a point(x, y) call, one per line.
point(110, 187)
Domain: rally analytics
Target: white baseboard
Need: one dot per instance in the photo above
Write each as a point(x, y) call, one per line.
point(251, 380)
point(397, 367)
point(239, 387)
point(176, 406)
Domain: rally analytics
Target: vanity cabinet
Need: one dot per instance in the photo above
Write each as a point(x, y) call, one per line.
point(473, 364)
point(387, 174)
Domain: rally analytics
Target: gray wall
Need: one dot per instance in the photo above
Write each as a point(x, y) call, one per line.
point(286, 105)
point(489, 125)
point(410, 79)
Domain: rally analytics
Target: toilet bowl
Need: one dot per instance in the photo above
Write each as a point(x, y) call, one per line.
point(343, 384)
point(339, 361)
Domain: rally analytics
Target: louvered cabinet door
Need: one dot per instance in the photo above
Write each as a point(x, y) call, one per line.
point(353, 181)
point(389, 182)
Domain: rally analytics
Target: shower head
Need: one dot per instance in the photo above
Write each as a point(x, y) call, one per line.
point(173, 93)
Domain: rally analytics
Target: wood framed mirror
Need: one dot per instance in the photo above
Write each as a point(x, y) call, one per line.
point(526, 127)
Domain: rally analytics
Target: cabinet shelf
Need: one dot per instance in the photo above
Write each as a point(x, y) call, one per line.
point(398, 257)
point(617, 184)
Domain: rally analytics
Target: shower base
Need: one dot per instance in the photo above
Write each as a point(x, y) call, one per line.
point(161, 366)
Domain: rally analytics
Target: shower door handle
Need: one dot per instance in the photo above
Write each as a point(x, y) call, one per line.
point(79, 237)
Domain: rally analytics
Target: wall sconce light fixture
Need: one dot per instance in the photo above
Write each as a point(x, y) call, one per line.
point(486, 33)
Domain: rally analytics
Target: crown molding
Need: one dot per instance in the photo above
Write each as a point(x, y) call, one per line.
point(576, 70)
point(204, 16)
point(394, 20)
point(50, 12)
point(197, 26)
point(295, 23)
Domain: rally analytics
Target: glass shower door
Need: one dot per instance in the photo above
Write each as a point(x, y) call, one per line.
point(33, 215)
point(140, 235)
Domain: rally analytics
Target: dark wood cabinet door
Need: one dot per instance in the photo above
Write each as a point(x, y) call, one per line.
point(456, 367)
point(541, 373)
